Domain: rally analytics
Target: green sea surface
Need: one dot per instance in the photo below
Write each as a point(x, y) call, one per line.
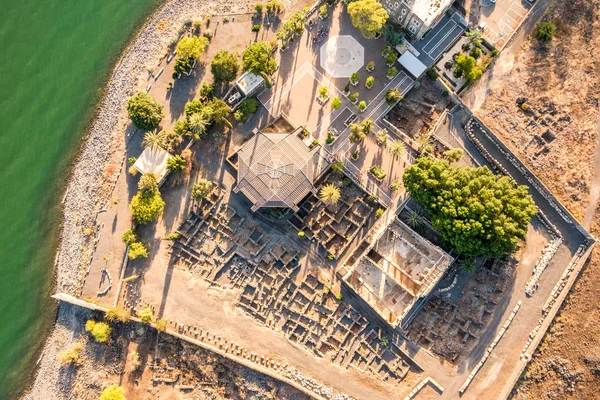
point(54, 58)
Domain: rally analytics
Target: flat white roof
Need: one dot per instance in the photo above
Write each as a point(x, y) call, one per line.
point(154, 161)
point(412, 64)
point(428, 10)
point(248, 82)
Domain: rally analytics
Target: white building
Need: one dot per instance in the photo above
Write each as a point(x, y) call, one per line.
point(417, 16)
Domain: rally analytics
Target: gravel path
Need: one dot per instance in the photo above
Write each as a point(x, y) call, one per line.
point(89, 190)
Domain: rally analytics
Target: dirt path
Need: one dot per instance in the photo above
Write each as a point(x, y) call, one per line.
point(590, 210)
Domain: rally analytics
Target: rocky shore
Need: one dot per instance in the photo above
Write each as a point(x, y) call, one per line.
point(92, 180)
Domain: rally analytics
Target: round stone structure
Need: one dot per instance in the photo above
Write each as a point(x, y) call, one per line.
point(341, 56)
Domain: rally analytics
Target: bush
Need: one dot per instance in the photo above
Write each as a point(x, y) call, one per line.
point(255, 28)
point(378, 172)
point(116, 314)
point(129, 237)
point(323, 11)
point(225, 66)
point(396, 185)
point(371, 65)
point(201, 189)
point(99, 330)
point(172, 236)
point(131, 160)
point(353, 97)
point(391, 72)
point(392, 36)
point(145, 314)
point(476, 52)
point(323, 92)
point(113, 392)
point(248, 106)
point(197, 26)
point(393, 95)
point(354, 78)
point(71, 355)
point(337, 167)
point(347, 87)
point(145, 209)
point(182, 65)
point(362, 105)
point(145, 112)
point(176, 163)
point(369, 82)
point(301, 234)
point(161, 325)
point(135, 362)
point(495, 52)
point(432, 74)
point(208, 33)
point(357, 134)
point(379, 213)
point(336, 103)
point(148, 184)
point(545, 31)
point(137, 250)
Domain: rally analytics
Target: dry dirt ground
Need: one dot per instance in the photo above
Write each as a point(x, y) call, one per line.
point(556, 133)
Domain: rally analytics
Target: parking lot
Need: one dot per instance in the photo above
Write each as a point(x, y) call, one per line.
point(502, 19)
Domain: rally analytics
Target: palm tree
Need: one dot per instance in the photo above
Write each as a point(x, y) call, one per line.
point(414, 219)
point(198, 124)
point(474, 35)
point(155, 140)
point(330, 194)
point(397, 148)
point(467, 265)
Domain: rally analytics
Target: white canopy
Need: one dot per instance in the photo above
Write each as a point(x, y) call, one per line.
point(412, 64)
point(154, 161)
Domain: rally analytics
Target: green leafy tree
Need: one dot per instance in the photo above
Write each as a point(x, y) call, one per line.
point(190, 48)
point(393, 95)
point(145, 112)
point(99, 330)
point(137, 250)
point(336, 103)
point(330, 194)
point(392, 35)
point(161, 325)
point(545, 31)
point(176, 163)
point(146, 208)
point(182, 65)
point(113, 392)
point(477, 212)
point(225, 66)
point(356, 134)
point(368, 16)
point(257, 59)
point(192, 107)
point(201, 189)
point(206, 91)
point(467, 66)
point(220, 112)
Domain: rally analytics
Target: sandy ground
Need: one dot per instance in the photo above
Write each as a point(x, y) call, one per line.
point(560, 82)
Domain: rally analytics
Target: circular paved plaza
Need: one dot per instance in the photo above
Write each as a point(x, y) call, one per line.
point(341, 56)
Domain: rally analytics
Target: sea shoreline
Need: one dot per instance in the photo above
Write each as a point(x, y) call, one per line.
point(87, 191)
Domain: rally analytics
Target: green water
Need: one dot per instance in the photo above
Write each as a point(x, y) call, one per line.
point(54, 57)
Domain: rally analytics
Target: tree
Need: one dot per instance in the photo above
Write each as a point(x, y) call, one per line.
point(145, 112)
point(330, 194)
point(337, 167)
point(146, 209)
point(148, 185)
point(369, 82)
point(474, 36)
point(323, 92)
point(545, 31)
point(257, 59)
point(176, 163)
point(116, 314)
point(137, 250)
point(453, 155)
point(467, 265)
point(201, 189)
point(71, 355)
point(336, 103)
point(190, 48)
point(392, 36)
point(220, 112)
point(113, 392)
point(398, 149)
point(393, 95)
point(414, 219)
point(155, 140)
point(198, 124)
point(477, 212)
point(356, 134)
point(225, 66)
point(206, 91)
point(100, 330)
point(362, 105)
point(466, 66)
point(145, 314)
point(161, 325)
point(368, 16)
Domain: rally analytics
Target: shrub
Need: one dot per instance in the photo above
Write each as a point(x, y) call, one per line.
point(225, 65)
point(495, 52)
point(201, 189)
point(323, 92)
point(315, 142)
point(137, 250)
point(258, 8)
point(393, 95)
point(369, 82)
point(347, 87)
point(391, 72)
point(145, 209)
point(116, 314)
point(323, 11)
point(355, 154)
point(392, 36)
point(301, 234)
point(362, 105)
point(113, 392)
point(255, 28)
point(99, 330)
point(172, 236)
point(71, 355)
point(354, 78)
point(197, 26)
point(274, 6)
point(145, 314)
point(182, 65)
point(396, 185)
point(382, 137)
point(432, 73)
point(131, 160)
point(148, 184)
point(453, 155)
point(330, 194)
point(330, 138)
point(145, 112)
point(161, 325)
point(391, 58)
point(475, 52)
point(356, 134)
point(378, 172)
point(129, 237)
point(545, 31)
point(353, 97)
point(371, 65)
point(208, 33)
point(336, 103)
point(130, 278)
point(379, 213)
point(176, 163)
point(135, 362)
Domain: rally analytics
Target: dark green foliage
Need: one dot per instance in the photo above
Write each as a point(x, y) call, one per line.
point(206, 91)
point(477, 212)
point(248, 106)
point(337, 167)
point(432, 73)
point(545, 31)
point(475, 52)
point(225, 66)
point(145, 112)
point(393, 36)
point(183, 65)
